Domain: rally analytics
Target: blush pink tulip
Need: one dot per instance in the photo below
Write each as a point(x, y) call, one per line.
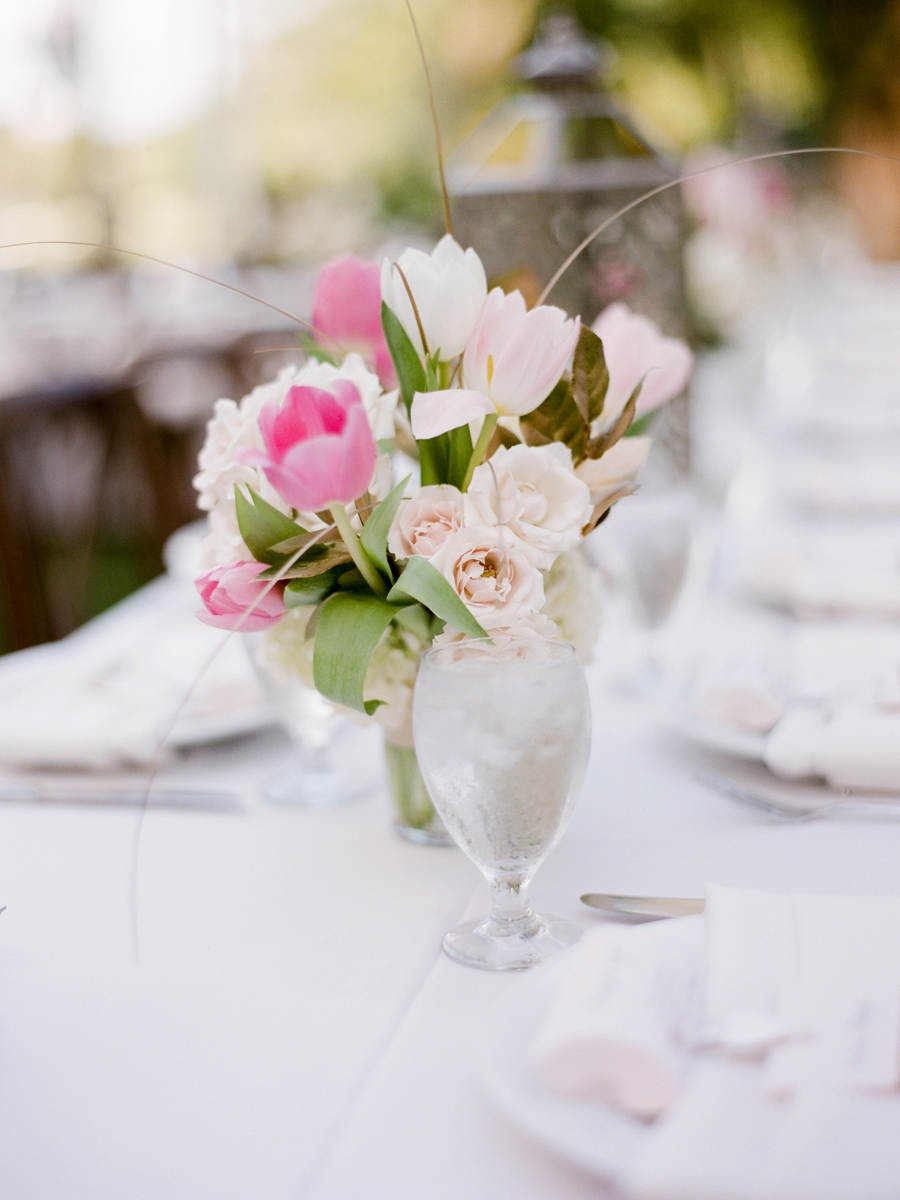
point(319, 447)
point(228, 593)
point(634, 347)
point(512, 361)
point(347, 310)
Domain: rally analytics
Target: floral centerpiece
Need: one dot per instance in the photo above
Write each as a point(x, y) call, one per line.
point(516, 417)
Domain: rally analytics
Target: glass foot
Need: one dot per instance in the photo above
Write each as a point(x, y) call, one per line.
point(501, 946)
point(314, 789)
point(424, 837)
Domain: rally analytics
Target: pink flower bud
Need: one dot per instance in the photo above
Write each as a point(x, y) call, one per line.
point(229, 592)
point(347, 310)
point(319, 447)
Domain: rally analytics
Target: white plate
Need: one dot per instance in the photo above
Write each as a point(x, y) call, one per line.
point(739, 743)
point(597, 1139)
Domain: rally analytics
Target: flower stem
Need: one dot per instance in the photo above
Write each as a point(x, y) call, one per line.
point(359, 556)
point(480, 449)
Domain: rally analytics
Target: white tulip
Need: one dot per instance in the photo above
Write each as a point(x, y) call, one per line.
point(533, 492)
point(449, 287)
point(635, 349)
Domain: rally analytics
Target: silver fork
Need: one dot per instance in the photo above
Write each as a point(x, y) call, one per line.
point(778, 810)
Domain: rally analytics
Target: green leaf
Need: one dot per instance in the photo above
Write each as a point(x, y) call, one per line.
point(417, 620)
point(590, 376)
point(314, 350)
point(460, 452)
point(312, 590)
point(434, 459)
point(558, 419)
point(353, 581)
point(349, 628)
point(407, 364)
point(263, 526)
point(423, 582)
point(375, 532)
point(641, 425)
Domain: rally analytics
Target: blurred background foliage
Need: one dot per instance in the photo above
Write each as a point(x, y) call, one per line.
point(320, 135)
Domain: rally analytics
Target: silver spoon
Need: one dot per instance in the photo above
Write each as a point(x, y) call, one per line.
point(780, 810)
point(643, 906)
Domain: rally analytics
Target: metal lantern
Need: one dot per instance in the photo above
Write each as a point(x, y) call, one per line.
point(547, 166)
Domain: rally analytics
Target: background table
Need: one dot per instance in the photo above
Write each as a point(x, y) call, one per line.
point(292, 1028)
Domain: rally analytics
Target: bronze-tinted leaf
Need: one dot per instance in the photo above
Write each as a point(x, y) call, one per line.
point(500, 437)
point(590, 376)
point(602, 510)
point(557, 420)
point(314, 562)
point(599, 445)
point(290, 545)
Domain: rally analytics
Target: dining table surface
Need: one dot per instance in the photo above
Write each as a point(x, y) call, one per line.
point(253, 1003)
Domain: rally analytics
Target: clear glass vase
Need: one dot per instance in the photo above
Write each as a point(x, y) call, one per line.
point(414, 815)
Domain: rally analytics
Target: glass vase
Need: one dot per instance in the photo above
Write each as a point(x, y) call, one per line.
point(414, 815)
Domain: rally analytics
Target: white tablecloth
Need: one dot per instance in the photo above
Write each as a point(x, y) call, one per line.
point(292, 1028)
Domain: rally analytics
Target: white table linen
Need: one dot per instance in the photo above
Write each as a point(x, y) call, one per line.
point(292, 1029)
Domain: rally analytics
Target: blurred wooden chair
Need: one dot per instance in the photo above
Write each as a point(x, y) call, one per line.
point(92, 487)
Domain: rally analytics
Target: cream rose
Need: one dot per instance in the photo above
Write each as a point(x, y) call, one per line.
point(533, 492)
point(617, 468)
point(425, 521)
point(495, 581)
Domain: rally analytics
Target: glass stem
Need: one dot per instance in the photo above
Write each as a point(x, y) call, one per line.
point(510, 909)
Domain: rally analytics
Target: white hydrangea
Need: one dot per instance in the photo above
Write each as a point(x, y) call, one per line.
point(573, 600)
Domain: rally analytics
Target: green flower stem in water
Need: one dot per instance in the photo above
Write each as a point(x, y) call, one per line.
point(408, 787)
point(359, 556)
point(480, 448)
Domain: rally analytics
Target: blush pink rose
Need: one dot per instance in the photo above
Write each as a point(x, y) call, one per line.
point(496, 582)
point(229, 592)
point(425, 521)
point(319, 447)
point(347, 310)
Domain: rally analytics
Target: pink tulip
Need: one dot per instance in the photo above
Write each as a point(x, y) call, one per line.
point(229, 592)
point(319, 447)
point(634, 347)
point(347, 311)
point(512, 361)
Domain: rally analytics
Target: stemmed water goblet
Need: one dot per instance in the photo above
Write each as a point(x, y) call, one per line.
point(502, 741)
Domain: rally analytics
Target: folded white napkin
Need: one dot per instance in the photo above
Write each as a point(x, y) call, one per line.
point(850, 746)
point(616, 1030)
point(106, 695)
point(785, 1086)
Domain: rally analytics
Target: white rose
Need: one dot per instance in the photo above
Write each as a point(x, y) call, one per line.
point(425, 521)
point(508, 642)
point(617, 468)
point(496, 582)
point(534, 493)
point(449, 286)
point(573, 600)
